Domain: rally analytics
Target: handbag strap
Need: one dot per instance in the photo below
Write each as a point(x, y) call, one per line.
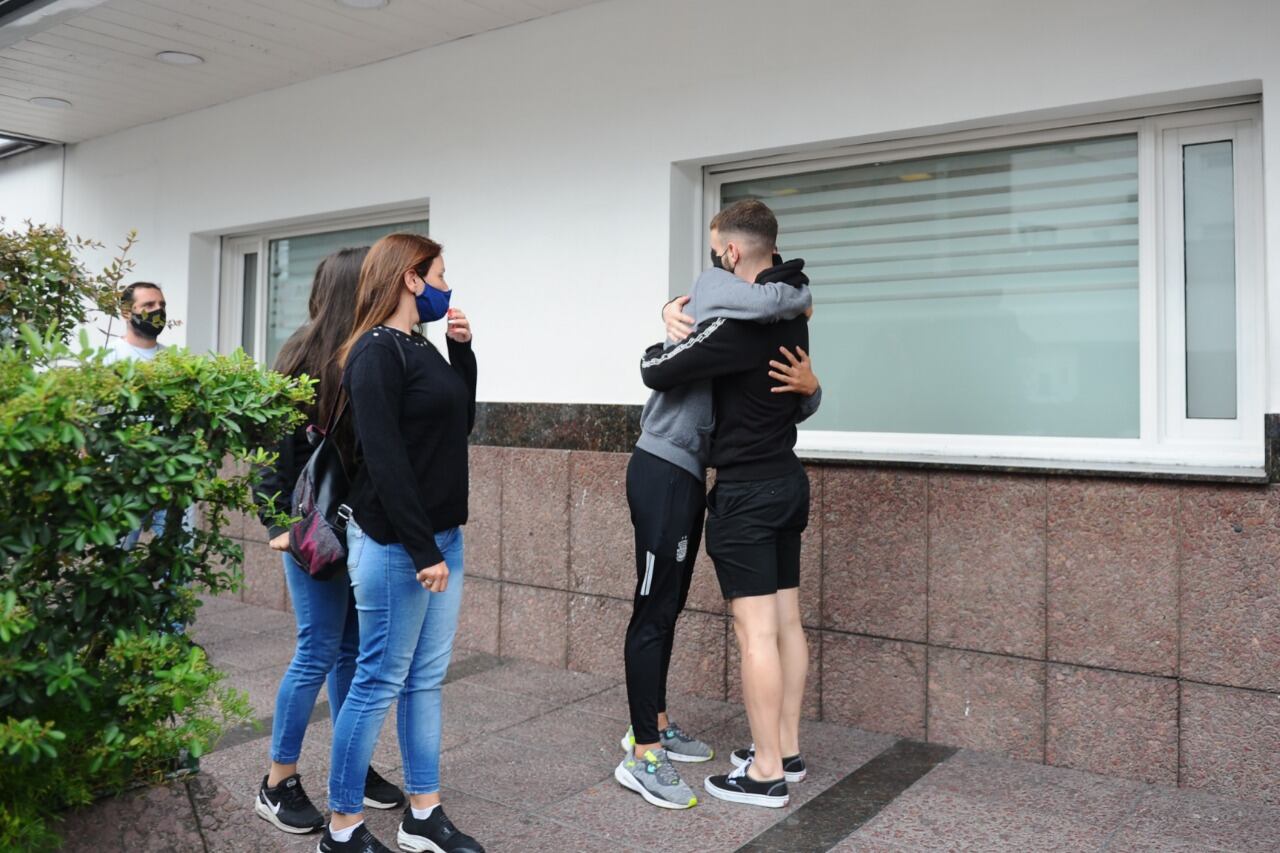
point(340, 405)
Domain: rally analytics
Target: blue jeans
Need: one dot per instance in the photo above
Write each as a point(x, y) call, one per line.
point(328, 640)
point(406, 638)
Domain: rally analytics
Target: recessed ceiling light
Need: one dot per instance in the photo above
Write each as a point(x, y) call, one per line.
point(363, 4)
point(52, 103)
point(177, 57)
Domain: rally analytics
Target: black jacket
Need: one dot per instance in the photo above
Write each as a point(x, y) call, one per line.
point(275, 486)
point(755, 432)
point(411, 420)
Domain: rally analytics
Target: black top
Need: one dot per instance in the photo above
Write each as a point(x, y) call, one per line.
point(275, 486)
point(755, 430)
point(411, 420)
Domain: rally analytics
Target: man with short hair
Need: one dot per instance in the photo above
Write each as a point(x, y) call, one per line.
point(142, 307)
point(760, 504)
point(666, 492)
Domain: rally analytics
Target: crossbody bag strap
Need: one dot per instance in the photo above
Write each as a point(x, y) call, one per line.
point(340, 406)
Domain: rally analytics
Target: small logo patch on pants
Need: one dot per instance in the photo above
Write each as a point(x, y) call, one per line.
point(682, 549)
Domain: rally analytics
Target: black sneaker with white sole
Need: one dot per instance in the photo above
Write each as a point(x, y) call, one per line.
point(287, 806)
point(793, 767)
point(738, 787)
point(362, 841)
point(436, 834)
point(379, 793)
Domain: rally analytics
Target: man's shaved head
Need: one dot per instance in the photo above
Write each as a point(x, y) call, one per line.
point(749, 223)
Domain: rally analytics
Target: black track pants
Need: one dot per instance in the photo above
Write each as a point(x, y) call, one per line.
point(667, 507)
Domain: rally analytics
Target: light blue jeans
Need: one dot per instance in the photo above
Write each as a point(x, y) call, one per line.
point(406, 639)
point(328, 641)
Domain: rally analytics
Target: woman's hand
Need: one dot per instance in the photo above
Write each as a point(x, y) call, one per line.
point(459, 327)
point(797, 376)
point(280, 543)
point(679, 324)
point(434, 578)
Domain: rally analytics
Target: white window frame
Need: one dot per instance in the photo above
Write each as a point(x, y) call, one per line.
point(1177, 428)
point(231, 278)
point(1165, 442)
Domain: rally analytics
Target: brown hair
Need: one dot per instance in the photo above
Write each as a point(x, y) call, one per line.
point(381, 275)
point(753, 219)
point(313, 349)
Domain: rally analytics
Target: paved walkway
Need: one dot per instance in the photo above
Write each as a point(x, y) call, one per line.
point(529, 756)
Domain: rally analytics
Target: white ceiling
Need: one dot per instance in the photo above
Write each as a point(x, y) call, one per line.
point(100, 54)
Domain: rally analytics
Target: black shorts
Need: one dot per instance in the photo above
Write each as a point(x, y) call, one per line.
point(753, 533)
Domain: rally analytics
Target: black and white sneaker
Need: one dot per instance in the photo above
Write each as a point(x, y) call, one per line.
point(287, 806)
point(792, 767)
point(379, 793)
point(436, 834)
point(738, 787)
point(362, 841)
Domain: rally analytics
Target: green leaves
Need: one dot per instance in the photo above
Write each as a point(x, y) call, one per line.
point(96, 688)
point(44, 285)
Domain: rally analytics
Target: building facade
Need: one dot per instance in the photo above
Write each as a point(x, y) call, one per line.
point(1044, 242)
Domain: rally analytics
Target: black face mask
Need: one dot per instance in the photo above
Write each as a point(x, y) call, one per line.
point(715, 260)
point(149, 324)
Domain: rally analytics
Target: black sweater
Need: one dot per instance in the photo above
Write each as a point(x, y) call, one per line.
point(275, 486)
point(411, 420)
point(755, 429)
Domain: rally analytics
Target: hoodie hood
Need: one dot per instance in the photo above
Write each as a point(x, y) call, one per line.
point(790, 272)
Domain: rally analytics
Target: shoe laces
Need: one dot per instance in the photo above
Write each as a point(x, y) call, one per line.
point(447, 829)
point(674, 732)
point(366, 839)
point(292, 796)
point(740, 772)
point(661, 767)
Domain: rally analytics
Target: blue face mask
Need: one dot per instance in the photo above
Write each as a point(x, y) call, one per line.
point(432, 304)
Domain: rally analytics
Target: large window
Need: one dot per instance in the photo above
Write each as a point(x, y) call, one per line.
point(267, 279)
point(1084, 293)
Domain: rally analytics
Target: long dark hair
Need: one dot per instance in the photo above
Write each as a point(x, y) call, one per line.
point(313, 349)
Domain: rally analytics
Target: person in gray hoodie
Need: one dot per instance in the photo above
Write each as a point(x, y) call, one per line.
point(666, 493)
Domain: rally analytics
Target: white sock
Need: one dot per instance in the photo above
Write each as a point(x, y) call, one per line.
point(423, 814)
point(343, 835)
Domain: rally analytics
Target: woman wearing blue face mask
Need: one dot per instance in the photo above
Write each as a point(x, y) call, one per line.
point(412, 411)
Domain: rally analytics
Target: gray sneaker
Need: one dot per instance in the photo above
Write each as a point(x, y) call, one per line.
point(679, 744)
point(655, 778)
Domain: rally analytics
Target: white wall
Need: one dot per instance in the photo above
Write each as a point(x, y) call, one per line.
point(547, 149)
point(31, 187)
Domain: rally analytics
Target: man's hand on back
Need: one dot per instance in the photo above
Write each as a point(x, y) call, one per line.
point(797, 376)
point(679, 324)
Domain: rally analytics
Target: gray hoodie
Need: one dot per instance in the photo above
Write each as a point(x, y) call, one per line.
point(676, 425)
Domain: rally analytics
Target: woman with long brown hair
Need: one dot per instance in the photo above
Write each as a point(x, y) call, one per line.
point(325, 612)
point(412, 412)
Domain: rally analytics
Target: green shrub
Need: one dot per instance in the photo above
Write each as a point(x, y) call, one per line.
point(43, 283)
point(97, 689)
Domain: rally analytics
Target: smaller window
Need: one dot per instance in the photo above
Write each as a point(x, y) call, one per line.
point(265, 303)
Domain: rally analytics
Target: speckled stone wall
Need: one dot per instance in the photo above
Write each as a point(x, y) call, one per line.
point(1126, 627)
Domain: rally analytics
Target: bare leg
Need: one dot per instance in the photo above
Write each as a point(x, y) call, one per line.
point(280, 772)
point(755, 622)
point(793, 650)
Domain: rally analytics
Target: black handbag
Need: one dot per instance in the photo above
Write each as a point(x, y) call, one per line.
point(318, 540)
